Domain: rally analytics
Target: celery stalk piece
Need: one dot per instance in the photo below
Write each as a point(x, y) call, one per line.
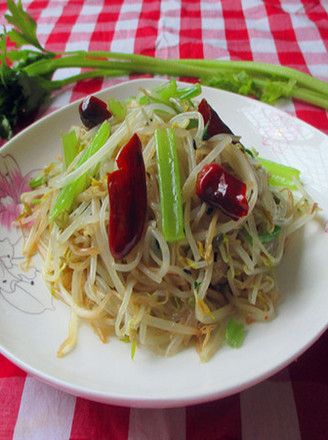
point(234, 333)
point(70, 147)
point(170, 90)
point(169, 184)
point(164, 94)
point(68, 193)
point(96, 143)
point(280, 175)
point(36, 182)
point(189, 92)
point(117, 108)
point(167, 90)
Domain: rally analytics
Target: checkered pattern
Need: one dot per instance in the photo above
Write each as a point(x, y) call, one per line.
point(294, 403)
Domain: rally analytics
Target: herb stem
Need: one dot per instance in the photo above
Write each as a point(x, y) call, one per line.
point(95, 73)
point(260, 68)
point(151, 66)
point(102, 63)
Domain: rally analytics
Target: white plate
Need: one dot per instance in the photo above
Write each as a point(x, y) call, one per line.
point(33, 325)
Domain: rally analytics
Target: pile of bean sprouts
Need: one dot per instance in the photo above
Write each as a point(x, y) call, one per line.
point(164, 296)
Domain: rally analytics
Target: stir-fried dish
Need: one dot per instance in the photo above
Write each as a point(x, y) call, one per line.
point(158, 226)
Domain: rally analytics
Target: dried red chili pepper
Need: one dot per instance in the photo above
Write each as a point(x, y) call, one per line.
point(213, 123)
point(219, 188)
point(128, 199)
point(93, 111)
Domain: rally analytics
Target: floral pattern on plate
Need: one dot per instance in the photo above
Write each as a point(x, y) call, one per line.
point(16, 281)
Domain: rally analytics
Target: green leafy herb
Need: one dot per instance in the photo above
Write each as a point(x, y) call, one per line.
point(25, 24)
point(25, 79)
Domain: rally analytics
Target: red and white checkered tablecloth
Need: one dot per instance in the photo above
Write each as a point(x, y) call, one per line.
point(294, 403)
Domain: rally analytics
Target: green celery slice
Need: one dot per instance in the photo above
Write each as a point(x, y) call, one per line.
point(117, 108)
point(170, 90)
point(189, 92)
point(169, 184)
point(167, 90)
point(70, 147)
point(36, 181)
point(234, 333)
point(280, 175)
point(68, 193)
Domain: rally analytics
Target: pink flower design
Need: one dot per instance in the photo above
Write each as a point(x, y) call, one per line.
point(281, 131)
point(12, 185)
point(23, 290)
